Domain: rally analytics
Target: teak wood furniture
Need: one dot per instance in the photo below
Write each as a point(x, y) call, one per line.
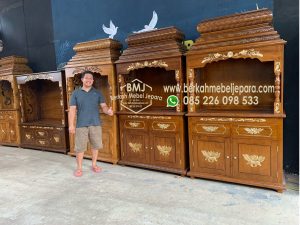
point(152, 135)
point(98, 57)
point(237, 137)
point(43, 111)
point(10, 67)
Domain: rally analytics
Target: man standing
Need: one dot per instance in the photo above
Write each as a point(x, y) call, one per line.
point(84, 104)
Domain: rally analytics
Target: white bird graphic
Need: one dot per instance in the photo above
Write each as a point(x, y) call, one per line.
point(151, 25)
point(112, 30)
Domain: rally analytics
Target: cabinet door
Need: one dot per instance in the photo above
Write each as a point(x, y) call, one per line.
point(255, 159)
point(164, 150)
point(12, 132)
point(210, 155)
point(135, 146)
point(4, 135)
point(106, 152)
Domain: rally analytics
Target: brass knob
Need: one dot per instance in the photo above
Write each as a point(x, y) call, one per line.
point(235, 157)
point(151, 148)
point(227, 157)
point(146, 147)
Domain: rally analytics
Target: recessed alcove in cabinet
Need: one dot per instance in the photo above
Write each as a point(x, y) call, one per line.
point(147, 87)
point(237, 85)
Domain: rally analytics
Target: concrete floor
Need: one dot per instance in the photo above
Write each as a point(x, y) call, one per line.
point(39, 188)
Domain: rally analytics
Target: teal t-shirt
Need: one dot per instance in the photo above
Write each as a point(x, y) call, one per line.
point(87, 104)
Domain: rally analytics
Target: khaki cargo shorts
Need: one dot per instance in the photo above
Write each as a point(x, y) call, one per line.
point(91, 134)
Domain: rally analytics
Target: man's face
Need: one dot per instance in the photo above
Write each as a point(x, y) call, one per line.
point(87, 80)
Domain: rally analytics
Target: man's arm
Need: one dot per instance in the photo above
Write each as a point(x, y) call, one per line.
point(72, 114)
point(107, 110)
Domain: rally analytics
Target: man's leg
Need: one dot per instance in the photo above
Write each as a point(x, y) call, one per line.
point(94, 157)
point(81, 139)
point(95, 136)
point(79, 158)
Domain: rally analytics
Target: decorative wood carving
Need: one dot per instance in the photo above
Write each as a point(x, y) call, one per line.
point(254, 160)
point(277, 87)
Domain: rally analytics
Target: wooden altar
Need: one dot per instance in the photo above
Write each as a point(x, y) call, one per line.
point(98, 57)
point(10, 67)
point(152, 133)
point(43, 111)
point(236, 134)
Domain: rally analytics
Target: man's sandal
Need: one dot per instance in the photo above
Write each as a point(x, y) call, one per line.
point(78, 173)
point(96, 169)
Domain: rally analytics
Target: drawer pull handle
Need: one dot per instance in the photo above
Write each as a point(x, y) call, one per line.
point(56, 139)
point(164, 150)
point(134, 124)
point(211, 156)
point(42, 142)
point(41, 133)
point(253, 130)
point(254, 160)
point(135, 147)
point(163, 125)
point(28, 136)
point(210, 128)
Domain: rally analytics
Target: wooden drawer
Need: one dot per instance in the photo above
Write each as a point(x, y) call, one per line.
point(47, 137)
point(211, 129)
point(255, 130)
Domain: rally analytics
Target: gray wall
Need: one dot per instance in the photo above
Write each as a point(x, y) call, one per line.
point(286, 22)
point(26, 29)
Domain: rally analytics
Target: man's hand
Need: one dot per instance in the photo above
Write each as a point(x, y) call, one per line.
point(110, 112)
point(72, 129)
point(107, 110)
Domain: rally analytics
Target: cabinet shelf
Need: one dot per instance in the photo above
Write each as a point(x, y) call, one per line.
point(237, 113)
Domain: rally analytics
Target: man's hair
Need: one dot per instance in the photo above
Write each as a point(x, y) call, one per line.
point(86, 72)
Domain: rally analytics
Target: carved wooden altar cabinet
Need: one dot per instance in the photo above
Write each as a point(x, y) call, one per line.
point(43, 111)
point(98, 57)
point(235, 132)
point(10, 67)
point(152, 130)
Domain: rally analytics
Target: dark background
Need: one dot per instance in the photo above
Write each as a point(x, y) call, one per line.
point(45, 31)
